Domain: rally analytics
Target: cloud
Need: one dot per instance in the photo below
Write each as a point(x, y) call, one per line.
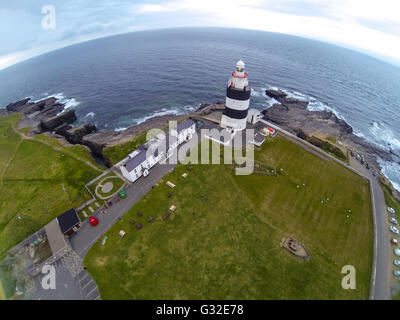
point(369, 26)
point(334, 21)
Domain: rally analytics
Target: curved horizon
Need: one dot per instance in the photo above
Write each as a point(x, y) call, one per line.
point(37, 28)
point(25, 59)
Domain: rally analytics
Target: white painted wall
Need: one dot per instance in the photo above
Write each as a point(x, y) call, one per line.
point(151, 161)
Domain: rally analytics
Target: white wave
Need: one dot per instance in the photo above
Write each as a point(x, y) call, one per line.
point(391, 170)
point(90, 115)
point(164, 112)
point(271, 102)
point(255, 93)
point(60, 98)
point(313, 103)
point(384, 136)
point(120, 129)
point(359, 134)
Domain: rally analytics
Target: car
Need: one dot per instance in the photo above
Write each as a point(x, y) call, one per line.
point(367, 166)
point(358, 157)
point(397, 252)
point(396, 262)
point(396, 273)
point(374, 174)
point(362, 161)
point(391, 210)
point(394, 241)
point(394, 229)
point(352, 153)
point(393, 220)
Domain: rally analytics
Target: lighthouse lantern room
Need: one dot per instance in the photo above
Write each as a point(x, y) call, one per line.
point(237, 100)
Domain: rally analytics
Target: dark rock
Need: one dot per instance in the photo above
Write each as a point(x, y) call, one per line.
point(17, 106)
point(276, 94)
point(62, 130)
point(75, 135)
point(282, 97)
point(97, 141)
point(300, 133)
point(293, 115)
point(52, 123)
point(35, 107)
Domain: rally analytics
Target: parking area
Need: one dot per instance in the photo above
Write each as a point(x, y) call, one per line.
point(72, 282)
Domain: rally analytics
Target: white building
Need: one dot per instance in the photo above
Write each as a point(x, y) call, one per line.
point(139, 165)
point(254, 116)
point(185, 130)
point(237, 102)
point(155, 150)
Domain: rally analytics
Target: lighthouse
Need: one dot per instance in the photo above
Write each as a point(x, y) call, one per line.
point(237, 100)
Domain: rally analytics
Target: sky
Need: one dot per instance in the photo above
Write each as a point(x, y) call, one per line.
point(29, 28)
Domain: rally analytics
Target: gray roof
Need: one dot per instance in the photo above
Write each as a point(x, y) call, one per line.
point(185, 124)
point(68, 220)
point(136, 160)
point(259, 138)
point(55, 237)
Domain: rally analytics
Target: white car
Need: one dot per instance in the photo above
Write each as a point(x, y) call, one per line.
point(394, 229)
point(391, 210)
point(396, 273)
point(397, 252)
point(396, 262)
point(394, 241)
point(393, 220)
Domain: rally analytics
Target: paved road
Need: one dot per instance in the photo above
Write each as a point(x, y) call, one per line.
point(380, 286)
point(69, 285)
point(381, 271)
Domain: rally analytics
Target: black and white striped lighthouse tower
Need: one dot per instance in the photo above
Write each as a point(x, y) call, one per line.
point(237, 100)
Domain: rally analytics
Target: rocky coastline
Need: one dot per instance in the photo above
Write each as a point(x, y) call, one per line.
point(48, 116)
point(292, 115)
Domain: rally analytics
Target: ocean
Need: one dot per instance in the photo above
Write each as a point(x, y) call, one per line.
point(122, 80)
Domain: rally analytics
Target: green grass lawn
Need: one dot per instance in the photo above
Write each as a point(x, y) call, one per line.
point(31, 178)
point(118, 152)
point(117, 184)
point(77, 151)
point(390, 200)
point(2, 293)
point(226, 244)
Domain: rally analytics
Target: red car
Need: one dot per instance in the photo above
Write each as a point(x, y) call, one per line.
point(93, 221)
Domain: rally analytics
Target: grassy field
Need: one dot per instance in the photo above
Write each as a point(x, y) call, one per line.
point(118, 152)
point(328, 147)
point(32, 175)
point(2, 293)
point(76, 151)
point(223, 240)
point(117, 184)
point(390, 200)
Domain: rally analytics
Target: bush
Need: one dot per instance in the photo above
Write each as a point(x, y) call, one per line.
point(326, 146)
